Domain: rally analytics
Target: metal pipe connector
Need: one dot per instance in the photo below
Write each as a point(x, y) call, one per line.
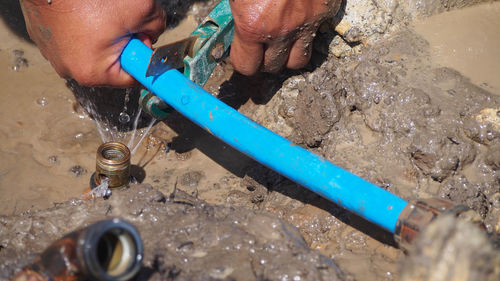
point(109, 250)
point(420, 213)
point(153, 105)
point(113, 163)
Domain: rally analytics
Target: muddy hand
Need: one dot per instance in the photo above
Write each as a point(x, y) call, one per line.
point(83, 39)
point(272, 34)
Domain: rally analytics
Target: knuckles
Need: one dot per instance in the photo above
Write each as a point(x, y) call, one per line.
point(251, 28)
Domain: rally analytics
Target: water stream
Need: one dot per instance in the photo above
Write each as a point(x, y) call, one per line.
point(101, 190)
point(108, 132)
point(144, 134)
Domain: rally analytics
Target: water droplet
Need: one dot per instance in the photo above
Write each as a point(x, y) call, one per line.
point(18, 53)
point(53, 159)
point(108, 193)
point(78, 170)
point(124, 118)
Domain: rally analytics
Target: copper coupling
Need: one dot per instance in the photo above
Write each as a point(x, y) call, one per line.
point(420, 213)
point(113, 163)
point(109, 250)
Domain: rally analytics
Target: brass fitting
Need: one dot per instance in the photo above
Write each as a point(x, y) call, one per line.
point(420, 213)
point(153, 105)
point(112, 162)
point(109, 250)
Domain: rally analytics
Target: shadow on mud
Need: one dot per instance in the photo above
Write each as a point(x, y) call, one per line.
point(12, 15)
point(192, 136)
point(105, 105)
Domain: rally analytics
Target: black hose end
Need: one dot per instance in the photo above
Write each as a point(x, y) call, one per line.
point(112, 250)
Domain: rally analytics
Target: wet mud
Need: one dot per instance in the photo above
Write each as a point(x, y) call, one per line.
point(474, 50)
point(460, 241)
point(375, 101)
point(394, 117)
point(184, 238)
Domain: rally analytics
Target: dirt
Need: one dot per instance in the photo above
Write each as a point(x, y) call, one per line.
point(474, 50)
point(395, 118)
point(387, 108)
point(46, 136)
point(184, 238)
point(460, 240)
point(42, 135)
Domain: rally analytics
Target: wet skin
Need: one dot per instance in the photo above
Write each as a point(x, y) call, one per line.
point(83, 39)
point(272, 34)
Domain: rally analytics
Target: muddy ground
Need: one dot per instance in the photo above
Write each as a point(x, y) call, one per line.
point(378, 99)
point(196, 241)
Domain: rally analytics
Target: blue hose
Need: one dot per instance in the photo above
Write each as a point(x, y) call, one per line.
point(309, 170)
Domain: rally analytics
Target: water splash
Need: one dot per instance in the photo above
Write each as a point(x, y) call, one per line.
point(101, 190)
point(134, 128)
point(153, 121)
point(124, 118)
point(101, 131)
point(108, 132)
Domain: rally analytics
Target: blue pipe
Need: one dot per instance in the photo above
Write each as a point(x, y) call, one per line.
point(309, 170)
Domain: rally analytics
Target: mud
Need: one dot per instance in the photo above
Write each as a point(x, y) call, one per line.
point(374, 100)
point(460, 241)
point(47, 131)
point(42, 136)
point(392, 103)
point(184, 238)
point(394, 116)
point(366, 22)
point(474, 50)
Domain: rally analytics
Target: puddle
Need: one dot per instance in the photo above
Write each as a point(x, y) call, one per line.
point(48, 149)
point(467, 40)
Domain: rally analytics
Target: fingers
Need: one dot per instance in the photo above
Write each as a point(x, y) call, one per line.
point(301, 52)
point(272, 34)
point(276, 57)
point(147, 25)
point(246, 57)
point(249, 58)
point(116, 76)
